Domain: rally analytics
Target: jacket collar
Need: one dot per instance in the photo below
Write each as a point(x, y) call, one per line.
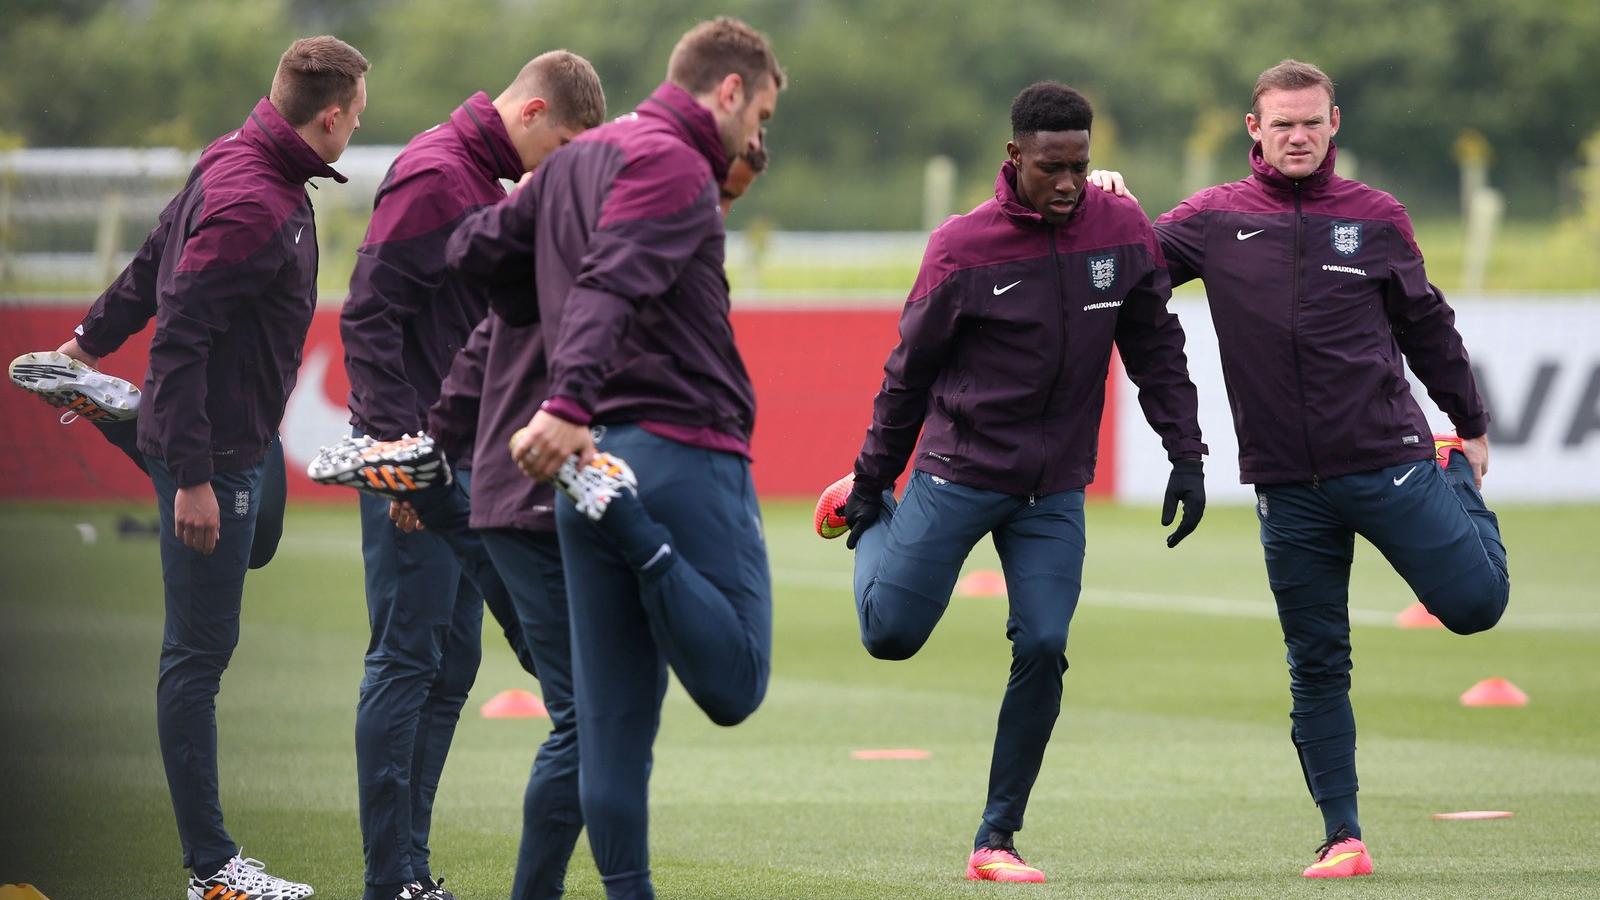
point(691, 121)
point(269, 131)
point(484, 134)
point(1276, 180)
point(1005, 193)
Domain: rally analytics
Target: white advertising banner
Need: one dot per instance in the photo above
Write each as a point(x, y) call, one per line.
point(1538, 365)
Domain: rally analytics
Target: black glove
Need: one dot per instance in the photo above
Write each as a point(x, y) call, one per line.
point(1188, 484)
point(860, 510)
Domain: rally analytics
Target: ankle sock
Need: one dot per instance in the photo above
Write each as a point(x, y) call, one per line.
point(1338, 811)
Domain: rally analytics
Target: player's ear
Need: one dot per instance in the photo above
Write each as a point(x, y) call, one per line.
point(1014, 152)
point(1252, 125)
point(730, 91)
point(532, 108)
point(1333, 122)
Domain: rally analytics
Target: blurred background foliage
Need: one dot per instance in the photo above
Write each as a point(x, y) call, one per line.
point(877, 88)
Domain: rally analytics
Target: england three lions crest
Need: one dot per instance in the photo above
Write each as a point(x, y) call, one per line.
point(1103, 271)
point(1346, 238)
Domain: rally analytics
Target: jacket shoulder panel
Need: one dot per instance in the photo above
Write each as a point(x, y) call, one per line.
point(660, 175)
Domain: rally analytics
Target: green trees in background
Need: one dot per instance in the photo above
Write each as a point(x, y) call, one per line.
point(877, 87)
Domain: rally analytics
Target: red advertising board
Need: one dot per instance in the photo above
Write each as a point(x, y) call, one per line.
point(815, 372)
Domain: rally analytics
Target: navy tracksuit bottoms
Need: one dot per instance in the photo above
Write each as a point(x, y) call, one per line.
point(906, 567)
point(203, 599)
point(1432, 526)
point(273, 488)
point(426, 620)
point(677, 576)
point(552, 815)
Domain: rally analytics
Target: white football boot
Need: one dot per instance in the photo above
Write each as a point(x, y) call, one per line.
point(244, 878)
point(394, 469)
point(592, 487)
point(66, 383)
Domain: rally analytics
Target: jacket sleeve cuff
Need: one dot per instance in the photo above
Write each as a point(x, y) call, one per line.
point(189, 474)
point(1188, 449)
point(1475, 427)
point(89, 344)
point(568, 409)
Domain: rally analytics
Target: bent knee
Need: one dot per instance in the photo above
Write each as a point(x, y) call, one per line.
point(1042, 647)
point(730, 710)
point(893, 646)
point(1479, 609)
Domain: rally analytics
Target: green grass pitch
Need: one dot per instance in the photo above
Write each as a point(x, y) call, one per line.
point(1171, 773)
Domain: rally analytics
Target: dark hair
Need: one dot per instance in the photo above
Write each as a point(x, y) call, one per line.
point(1049, 106)
point(568, 83)
point(711, 51)
point(315, 73)
point(1290, 75)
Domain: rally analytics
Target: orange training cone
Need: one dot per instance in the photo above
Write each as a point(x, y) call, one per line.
point(982, 583)
point(1494, 692)
point(514, 704)
point(1417, 616)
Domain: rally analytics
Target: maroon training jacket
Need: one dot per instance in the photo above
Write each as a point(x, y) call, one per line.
point(616, 249)
point(406, 317)
point(230, 276)
point(470, 424)
point(1317, 288)
point(1005, 344)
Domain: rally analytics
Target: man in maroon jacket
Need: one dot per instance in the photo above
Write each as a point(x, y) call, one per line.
point(1318, 292)
point(230, 276)
point(404, 321)
point(1001, 367)
point(622, 236)
point(514, 519)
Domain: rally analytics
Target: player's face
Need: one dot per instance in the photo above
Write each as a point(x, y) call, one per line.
point(1294, 128)
point(741, 124)
point(342, 123)
point(1051, 169)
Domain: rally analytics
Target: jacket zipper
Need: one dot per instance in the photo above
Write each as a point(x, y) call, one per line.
point(1050, 395)
point(1294, 334)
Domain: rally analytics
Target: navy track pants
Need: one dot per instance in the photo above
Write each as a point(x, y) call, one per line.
point(552, 815)
point(708, 614)
point(203, 599)
point(1431, 525)
point(426, 621)
point(273, 489)
point(906, 567)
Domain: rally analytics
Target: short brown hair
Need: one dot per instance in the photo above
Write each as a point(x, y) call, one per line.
point(711, 51)
point(1290, 75)
point(315, 73)
point(568, 82)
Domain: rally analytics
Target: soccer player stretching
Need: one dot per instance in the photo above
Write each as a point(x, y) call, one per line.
point(1317, 291)
point(1004, 348)
point(621, 234)
point(405, 320)
point(230, 276)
